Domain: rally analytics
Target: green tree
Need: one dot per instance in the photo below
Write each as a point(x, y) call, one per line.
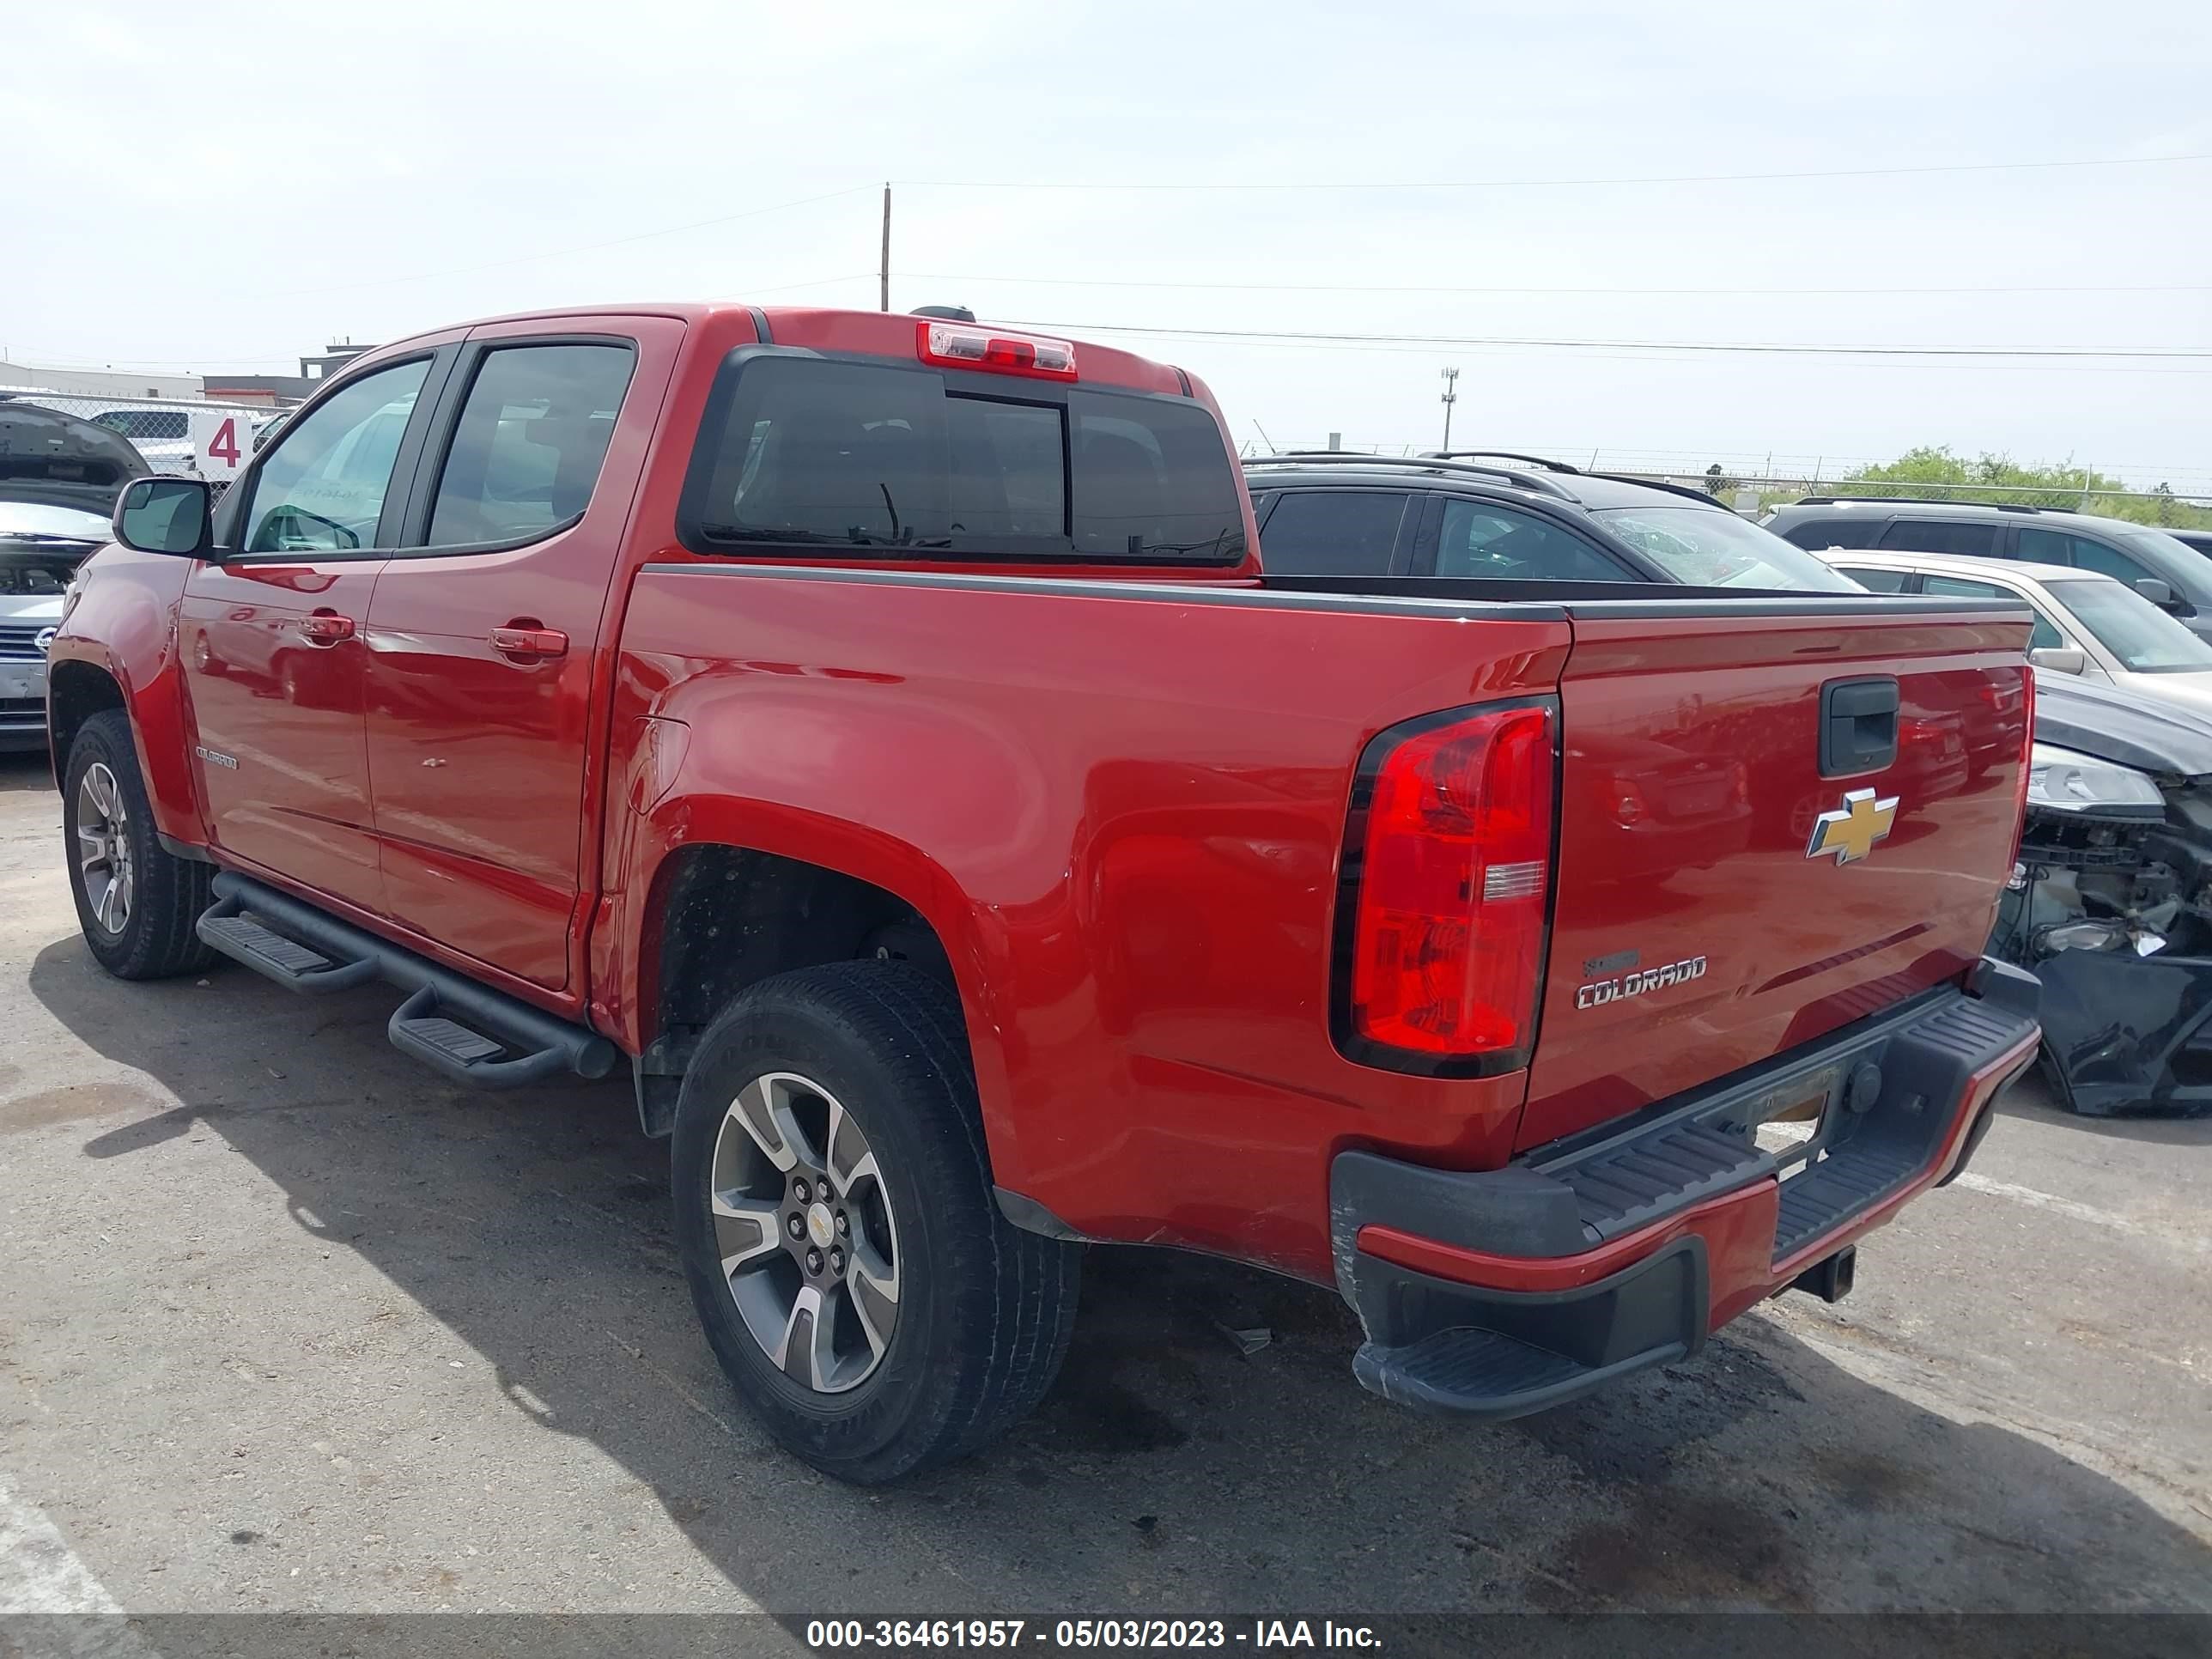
point(1934, 470)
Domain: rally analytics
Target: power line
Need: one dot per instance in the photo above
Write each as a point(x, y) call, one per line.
point(581, 247)
point(1372, 287)
point(1754, 347)
point(237, 362)
point(1562, 183)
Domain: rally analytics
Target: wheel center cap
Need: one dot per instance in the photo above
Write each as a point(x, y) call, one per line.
point(819, 1226)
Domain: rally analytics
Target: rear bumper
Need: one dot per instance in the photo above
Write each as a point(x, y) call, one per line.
point(1504, 1292)
point(2130, 1034)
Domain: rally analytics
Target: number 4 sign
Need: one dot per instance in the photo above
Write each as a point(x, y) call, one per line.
point(221, 439)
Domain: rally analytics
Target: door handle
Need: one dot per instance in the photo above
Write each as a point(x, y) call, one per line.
point(529, 643)
point(326, 627)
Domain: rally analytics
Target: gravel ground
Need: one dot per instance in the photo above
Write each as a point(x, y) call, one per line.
point(290, 1324)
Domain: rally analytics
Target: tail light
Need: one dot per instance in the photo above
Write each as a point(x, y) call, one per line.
point(973, 345)
point(1442, 919)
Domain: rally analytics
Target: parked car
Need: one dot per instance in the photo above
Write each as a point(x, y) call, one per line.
point(1483, 515)
point(2111, 906)
point(2172, 576)
point(2201, 540)
point(881, 731)
point(58, 460)
point(2086, 624)
point(181, 437)
point(58, 480)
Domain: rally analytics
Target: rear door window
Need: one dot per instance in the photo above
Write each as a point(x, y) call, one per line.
point(527, 450)
point(1480, 539)
point(1817, 533)
point(1963, 538)
point(1877, 581)
point(1334, 533)
point(804, 453)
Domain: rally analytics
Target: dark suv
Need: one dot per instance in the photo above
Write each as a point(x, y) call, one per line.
point(2166, 571)
point(1506, 517)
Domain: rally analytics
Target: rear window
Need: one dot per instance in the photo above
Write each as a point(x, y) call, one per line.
point(813, 452)
point(1332, 532)
point(1817, 533)
point(1967, 540)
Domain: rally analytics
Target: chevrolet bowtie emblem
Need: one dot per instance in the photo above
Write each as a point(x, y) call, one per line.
point(1850, 832)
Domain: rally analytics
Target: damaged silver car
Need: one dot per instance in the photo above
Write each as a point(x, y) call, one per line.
point(2111, 900)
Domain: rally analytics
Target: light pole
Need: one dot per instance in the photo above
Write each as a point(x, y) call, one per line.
point(1450, 396)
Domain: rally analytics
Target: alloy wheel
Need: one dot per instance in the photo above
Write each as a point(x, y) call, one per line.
point(103, 847)
point(804, 1229)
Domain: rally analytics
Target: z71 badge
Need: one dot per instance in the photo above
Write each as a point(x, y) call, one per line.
point(1600, 992)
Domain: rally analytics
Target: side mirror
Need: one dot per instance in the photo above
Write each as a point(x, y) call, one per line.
point(2156, 591)
point(2060, 659)
point(164, 516)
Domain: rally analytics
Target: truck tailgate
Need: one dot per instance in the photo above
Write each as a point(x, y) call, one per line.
point(1719, 899)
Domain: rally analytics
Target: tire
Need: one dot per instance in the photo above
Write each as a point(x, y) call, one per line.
point(983, 1311)
point(147, 930)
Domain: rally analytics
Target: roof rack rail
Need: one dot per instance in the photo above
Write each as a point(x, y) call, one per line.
point(1548, 465)
point(1703, 498)
point(1520, 480)
point(1925, 501)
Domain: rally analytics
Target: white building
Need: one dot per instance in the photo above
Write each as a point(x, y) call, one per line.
point(101, 383)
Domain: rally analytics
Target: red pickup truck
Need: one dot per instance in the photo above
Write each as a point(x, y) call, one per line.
point(880, 732)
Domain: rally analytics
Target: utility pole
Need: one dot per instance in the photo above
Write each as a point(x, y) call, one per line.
point(884, 271)
point(1450, 396)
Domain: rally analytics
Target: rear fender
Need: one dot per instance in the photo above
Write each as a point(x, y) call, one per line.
point(686, 789)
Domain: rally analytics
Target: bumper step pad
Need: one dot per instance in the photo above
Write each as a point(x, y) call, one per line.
point(1439, 1372)
point(1618, 1191)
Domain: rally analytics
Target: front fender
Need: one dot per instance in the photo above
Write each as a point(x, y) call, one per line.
point(122, 622)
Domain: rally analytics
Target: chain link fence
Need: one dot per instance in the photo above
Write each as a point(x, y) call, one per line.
point(186, 436)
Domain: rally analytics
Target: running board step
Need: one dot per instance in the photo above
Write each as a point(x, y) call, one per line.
point(469, 1031)
point(295, 966)
point(466, 1055)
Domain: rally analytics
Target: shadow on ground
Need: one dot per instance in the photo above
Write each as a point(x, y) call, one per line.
point(25, 772)
point(1167, 1471)
point(2040, 1105)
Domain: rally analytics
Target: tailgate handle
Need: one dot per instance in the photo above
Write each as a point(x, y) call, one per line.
point(1858, 726)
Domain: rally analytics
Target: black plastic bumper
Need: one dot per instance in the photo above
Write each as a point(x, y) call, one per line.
point(1894, 1085)
point(2129, 1034)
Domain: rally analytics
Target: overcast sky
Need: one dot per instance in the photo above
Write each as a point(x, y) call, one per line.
point(228, 186)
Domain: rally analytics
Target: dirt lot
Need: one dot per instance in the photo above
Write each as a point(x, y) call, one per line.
point(290, 1324)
